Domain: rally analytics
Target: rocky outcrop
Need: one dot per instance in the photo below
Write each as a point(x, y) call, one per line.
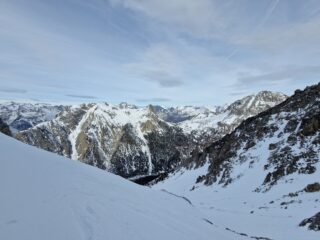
point(313, 187)
point(4, 128)
point(313, 222)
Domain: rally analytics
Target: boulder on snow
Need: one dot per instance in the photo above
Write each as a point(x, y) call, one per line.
point(313, 222)
point(313, 187)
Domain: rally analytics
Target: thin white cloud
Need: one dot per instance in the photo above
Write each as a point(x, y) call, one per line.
point(81, 96)
point(158, 64)
point(197, 18)
point(153, 100)
point(163, 78)
point(13, 90)
point(299, 37)
point(287, 74)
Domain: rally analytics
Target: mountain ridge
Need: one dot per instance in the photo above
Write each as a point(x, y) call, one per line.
point(132, 141)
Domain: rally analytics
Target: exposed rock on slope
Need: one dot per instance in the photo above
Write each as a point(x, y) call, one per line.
point(313, 222)
point(4, 128)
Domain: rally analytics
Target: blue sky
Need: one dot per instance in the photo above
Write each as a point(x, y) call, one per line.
point(167, 52)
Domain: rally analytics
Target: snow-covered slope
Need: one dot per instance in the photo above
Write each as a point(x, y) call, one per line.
point(123, 139)
point(21, 116)
point(44, 196)
point(263, 179)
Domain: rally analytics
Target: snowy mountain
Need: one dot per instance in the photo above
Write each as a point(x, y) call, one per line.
point(44, 196)
point(210, 124)
point(264, 176)
point(199, 120)
point(21, 116)
point(123, 139)
point(136, 141)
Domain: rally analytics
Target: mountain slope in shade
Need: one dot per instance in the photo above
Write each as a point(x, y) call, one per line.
point(264, 177)
point(123, 139)
point(22, 116)
point(44, 196)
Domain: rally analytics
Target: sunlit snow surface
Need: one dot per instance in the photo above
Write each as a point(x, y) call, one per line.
point(45, 196)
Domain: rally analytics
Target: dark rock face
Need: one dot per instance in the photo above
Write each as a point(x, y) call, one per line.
point(135, 163)
point(312, 222)
point(288, 134)
point(4, 128)
point(168, 149)
point(313, 187)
